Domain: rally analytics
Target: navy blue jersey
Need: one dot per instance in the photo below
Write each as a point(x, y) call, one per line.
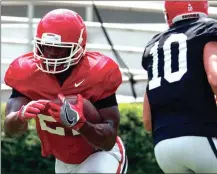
point(181, 100)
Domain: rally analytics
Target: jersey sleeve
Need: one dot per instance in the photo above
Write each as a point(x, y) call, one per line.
point(12, 76)
point(112, 78)
point(145, 59)
point(19, 70)
point(16, 93)
point(106, 102)
point(210, 33)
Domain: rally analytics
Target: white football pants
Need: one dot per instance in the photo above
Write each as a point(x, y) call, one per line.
point(113, 161)
point(187, 154)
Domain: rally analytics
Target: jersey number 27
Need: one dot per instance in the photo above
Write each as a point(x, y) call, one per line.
point(182, 60)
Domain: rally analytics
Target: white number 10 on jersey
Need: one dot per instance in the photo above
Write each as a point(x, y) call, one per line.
point(182, 60)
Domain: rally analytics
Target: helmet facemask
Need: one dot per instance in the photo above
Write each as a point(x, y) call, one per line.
point(54, 65)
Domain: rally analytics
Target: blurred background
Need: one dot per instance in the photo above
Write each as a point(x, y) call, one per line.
point(119, 29)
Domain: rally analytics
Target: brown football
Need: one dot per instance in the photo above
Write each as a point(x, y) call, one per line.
point(89, 110)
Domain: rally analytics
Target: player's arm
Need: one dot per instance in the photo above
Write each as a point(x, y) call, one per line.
point(146, 106)
point(13, 126)
point(19, 109)
point(147, 114)
point(103, 136)
point(210, 64)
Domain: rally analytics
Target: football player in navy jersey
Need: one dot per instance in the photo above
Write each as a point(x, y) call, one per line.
point(179, 104)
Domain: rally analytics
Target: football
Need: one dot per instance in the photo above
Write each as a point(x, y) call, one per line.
point(89, 110)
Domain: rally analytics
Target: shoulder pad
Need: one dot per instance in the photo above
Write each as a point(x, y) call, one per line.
point(20, 69)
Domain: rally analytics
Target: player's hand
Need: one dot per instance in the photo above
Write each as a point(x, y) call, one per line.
point(32, 109)
point(68, 114)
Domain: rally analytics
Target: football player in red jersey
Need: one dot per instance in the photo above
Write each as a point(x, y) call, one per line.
point(179, 104)
point(59, 66)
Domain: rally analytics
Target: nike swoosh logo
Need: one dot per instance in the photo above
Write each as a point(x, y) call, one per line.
point(78, 84)
point(67, 117)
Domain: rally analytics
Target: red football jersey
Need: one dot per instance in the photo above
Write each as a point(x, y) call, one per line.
point(95, 77)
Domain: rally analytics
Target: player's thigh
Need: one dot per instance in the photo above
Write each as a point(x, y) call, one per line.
point(186, 154)
point(169, 158)
point(113, 161)
point(61, 167)
point(99, 162)
point(206, 159)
